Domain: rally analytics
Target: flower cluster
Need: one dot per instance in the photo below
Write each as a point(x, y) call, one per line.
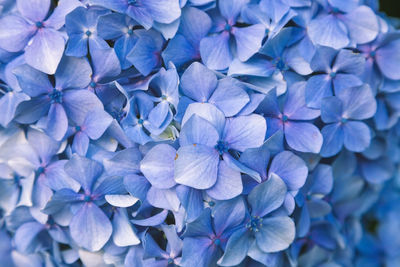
point(199, 133)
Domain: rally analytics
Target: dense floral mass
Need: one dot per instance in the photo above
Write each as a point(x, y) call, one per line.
point(199, 133)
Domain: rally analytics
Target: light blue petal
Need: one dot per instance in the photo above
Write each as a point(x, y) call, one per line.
point(328, 31)
point(198, 82)
point(228, 185)
point(73, 73)
point(362, 24)
point(196, 166)
point(45, 51)
point(333, 139)
point(357, 136)
point(303, 136)
point(198, 131)
point(123, 233)
point(15, 33)
point(158, 166)
point(215, 51)
point(248, 40)
point(267, 196)
point(57, 122)
point(90, 227)
point(290, 168)
point(34, 10)
point(245, 132)
point(229, 97)
point(275, 234)
point(236, 248)
point(84, 170)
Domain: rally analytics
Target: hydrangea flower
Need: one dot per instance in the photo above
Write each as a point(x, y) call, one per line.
point(89, 226)
point(291, 118)
point(34, 31)
point(215, 50)
point(59, 100)
point(341, 113)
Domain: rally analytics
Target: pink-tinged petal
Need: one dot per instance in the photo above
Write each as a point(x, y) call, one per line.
point(45, 51)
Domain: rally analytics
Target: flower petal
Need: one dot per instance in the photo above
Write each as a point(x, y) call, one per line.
point(45, 51)
point(276, 234)
point(90, 227)
point(267, 196)
point(228, 185)
point(158, 166)
point(215, 51)
point(303, 136)
point(196, 166)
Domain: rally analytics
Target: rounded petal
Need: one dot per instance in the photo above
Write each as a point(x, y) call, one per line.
point(357, 136)
point(198, 131)
point(331, 109)
point(158, 166)
point(96, 123)
point(123, 233)
point(228, 185)
point(303, 136)
point(196, 166)
point(236, 249)
point(15, 33)
point(73, 73)
point(248, 40)
point(362, 24)
point(78, 103)
point(333, 139)
point(34, 10)
point(358, 102)
point(90, 227)
point(215, 51)
point(276, 234)
point(208, 112)
point(198, 82)
point(45, 51)
point(387, 58)
point(328, 31)
point(84, 170)
point(317, 88)
point(57, 122)
point(229, 97)
point(290, 168)
point(267, 196)
point(245, 132)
